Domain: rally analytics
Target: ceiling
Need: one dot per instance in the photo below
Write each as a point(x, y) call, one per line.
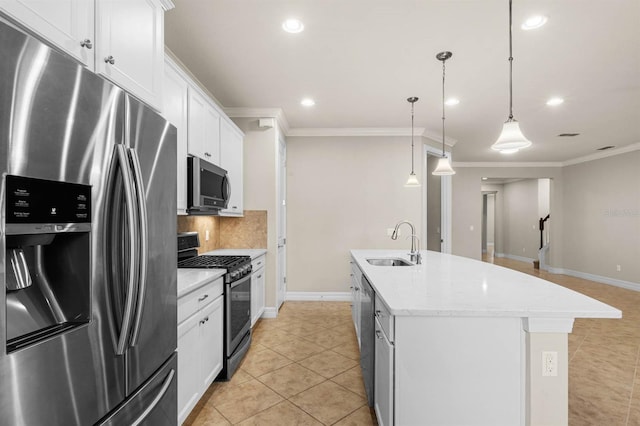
point(361, 59)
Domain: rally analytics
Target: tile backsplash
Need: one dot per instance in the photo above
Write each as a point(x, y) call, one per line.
point(247, 232)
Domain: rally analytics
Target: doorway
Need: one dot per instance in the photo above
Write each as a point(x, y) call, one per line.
point(434, 206)
point(488, 226)
point(281, 274)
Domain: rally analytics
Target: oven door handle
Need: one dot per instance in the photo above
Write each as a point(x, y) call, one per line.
point(240, 281)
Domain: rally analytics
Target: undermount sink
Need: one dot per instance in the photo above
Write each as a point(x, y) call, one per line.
point(389, 261)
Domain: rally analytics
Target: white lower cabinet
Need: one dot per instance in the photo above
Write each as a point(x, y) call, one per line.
point(383, 380)
point(356, 286)
point(200, 343)
point(257, 288)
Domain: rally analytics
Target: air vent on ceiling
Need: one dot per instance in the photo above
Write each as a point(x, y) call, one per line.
point(568, 135)
point(606, 147)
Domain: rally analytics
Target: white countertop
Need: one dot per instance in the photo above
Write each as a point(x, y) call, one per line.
point(191, 279)
point(254, 253)
point(447, 285)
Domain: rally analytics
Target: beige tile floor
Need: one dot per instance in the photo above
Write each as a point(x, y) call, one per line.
point(303, 367)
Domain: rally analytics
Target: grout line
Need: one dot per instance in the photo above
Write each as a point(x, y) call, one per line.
point(633, 384)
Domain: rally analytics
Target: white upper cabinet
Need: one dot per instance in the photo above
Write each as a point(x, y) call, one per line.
point(66, 23)
point(130, 46)
point(175, 99)
point(122, 40)
point(231, 159)
point(204, 127)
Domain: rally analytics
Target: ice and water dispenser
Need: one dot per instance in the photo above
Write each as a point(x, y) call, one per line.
point(47, 259)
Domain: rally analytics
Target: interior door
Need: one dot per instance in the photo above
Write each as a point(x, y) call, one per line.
point(282, 223)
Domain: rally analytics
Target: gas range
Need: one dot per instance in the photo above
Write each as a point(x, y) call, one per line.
point(236, 266)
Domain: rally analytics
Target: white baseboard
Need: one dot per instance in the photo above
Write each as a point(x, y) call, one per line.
point(514, 257)
point(269, 313)
point(597, 278)
point(318, 296)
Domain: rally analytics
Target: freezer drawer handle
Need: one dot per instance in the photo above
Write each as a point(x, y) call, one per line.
point(156, 400)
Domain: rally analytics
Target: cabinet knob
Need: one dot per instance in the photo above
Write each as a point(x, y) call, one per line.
point(260, 276)
point(234, 207)
point(110, 60)
point(206, 154)
point(378, 314)
point(86, 43)
point(203, 297)
point(378, 334)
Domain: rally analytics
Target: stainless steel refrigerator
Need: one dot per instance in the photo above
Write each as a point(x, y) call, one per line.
point(87, 242)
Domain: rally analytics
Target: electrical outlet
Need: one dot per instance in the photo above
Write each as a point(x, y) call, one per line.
point(618, 268)
point(524, 249)
point(471, 228)
point(206, 235)
point(549, 364)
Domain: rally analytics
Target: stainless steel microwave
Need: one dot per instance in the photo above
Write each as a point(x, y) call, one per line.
point(208, 187)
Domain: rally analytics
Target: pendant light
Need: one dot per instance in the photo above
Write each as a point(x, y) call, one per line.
point(443, 167)
point(511, 139)
point(413, 179)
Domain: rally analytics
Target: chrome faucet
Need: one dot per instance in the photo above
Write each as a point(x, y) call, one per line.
point(414, 255)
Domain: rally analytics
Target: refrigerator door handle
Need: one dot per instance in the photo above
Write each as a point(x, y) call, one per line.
point(156, 400)
point(133, 241)
point(144, 243)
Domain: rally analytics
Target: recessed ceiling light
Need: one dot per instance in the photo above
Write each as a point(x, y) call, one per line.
point(307, 102)
point(534, 22)
point(555, 101)
point(484, 178)
point(452, 101)
point(293, 26)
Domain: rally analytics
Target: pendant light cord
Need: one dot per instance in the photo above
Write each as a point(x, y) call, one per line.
point(412, 104)
point(443, 107)
point(510, 65)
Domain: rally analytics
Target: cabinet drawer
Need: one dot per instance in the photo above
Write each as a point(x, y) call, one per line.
point(385, 318)
point(356, 273)
point(258, 263)
point(190, 303)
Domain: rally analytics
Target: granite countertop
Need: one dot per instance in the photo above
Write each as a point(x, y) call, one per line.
point(447, 285)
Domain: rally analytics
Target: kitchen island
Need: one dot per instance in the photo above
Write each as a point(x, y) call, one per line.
point(464, 342)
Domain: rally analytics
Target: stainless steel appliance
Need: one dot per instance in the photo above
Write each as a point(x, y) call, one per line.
point(367, 337)
point(208, 188)
point(87, 256)
point(237, 297)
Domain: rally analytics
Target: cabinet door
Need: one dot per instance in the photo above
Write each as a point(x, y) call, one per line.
point(383, 379)
point(257, 295)
point(175, 100)
point(211, 335)
point(130, 46)
point(189, 378)
point(231, 159)
point(67, 24)
point(204, 128)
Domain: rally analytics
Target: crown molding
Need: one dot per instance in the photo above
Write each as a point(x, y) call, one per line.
point(277, 113)
point(603, 154)
point(167, 4)
point(504, 165)
point(368, 131)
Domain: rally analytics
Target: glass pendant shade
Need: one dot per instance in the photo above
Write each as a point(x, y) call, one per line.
point(444, 168)
point(511, 138)
point(412, 181)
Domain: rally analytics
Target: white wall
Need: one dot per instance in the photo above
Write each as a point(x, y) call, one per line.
point(344, 193)
point(520, 213)
point(491, 218)
point(601, 202)
point(260, 154)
